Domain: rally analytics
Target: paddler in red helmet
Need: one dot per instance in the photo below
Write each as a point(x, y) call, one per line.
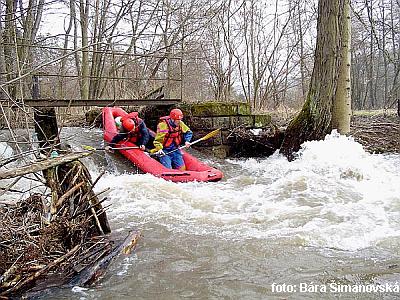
point(171, 134)
point(133, 129)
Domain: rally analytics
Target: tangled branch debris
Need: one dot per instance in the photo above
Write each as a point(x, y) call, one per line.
point(46, 242)
point(255, 142)
point(379, 133)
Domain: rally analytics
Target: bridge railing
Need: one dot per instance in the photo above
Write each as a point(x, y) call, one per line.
point(107, 78)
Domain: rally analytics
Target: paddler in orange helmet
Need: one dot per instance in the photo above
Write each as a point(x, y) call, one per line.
point(171, 134)
point(133, 129)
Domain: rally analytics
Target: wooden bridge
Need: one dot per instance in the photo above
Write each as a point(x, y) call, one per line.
point(155, 97)
point(100, 103)
point(123, 82)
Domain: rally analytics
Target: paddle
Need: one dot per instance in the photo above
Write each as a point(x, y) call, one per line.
point(206, 137)
point(90, 148)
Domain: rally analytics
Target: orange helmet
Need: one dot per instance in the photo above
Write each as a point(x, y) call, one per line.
point(176, 114)
point(128, 124)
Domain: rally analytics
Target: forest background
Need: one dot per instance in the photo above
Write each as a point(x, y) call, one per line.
point(259, 52)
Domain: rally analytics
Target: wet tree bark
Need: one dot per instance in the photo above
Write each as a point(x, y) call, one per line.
point(341, 111)
point(314, 120)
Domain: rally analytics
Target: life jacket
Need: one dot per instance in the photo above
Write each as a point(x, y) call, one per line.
point(174, 134)
point(134, 135)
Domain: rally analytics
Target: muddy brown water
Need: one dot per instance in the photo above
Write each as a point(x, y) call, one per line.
point(325, 226)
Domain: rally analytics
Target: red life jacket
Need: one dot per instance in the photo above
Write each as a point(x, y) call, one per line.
point(174, 135)
point(134, 135)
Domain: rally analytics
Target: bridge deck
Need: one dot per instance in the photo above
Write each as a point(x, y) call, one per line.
point(101, 103)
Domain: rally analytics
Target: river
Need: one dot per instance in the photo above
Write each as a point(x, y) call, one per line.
point(324, 226)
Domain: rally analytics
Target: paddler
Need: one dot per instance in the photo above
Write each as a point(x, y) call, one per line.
point(171, 134)
point(133, 129)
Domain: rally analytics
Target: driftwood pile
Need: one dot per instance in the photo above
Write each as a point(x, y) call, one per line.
point(378, 133)
point(246, 142)
point(56, 239)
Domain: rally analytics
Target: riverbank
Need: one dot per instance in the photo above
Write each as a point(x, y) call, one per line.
point(377, 130)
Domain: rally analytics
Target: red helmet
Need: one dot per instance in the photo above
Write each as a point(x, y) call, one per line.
point(176, 114)
point(128, 124)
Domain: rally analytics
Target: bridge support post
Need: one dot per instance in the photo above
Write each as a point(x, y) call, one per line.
point(47, 132)
point(45, 122)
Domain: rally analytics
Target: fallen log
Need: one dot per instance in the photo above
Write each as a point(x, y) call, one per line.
point(93, 273)
point(43, 165)
point(36, 256)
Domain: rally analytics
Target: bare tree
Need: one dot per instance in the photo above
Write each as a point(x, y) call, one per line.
point(10, 39)
point(314, 120)
point(376, 64)
point(83, 6)
point(219, 51)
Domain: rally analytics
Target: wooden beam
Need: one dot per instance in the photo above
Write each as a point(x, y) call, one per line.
point(101, 103)
point(42, 165)
point(93, 272)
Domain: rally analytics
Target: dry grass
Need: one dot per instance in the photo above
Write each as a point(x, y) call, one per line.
point(375, 112)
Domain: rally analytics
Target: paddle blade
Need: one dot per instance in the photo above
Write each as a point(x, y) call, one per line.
point(88, 148)
point(211, 134)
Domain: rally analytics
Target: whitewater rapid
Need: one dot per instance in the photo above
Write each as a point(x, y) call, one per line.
point(334, 195)
point(330, 217)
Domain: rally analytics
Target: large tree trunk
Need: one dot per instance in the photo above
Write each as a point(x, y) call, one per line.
point(314, 120)
point(341, 113)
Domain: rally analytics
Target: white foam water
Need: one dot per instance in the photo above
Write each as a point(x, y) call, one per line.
point(23, 183)
point(334, 195)
point(5, 151)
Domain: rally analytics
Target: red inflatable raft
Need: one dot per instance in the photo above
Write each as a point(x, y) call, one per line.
point(195, 169)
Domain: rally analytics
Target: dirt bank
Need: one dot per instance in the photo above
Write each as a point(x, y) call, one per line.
point(377, 132)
